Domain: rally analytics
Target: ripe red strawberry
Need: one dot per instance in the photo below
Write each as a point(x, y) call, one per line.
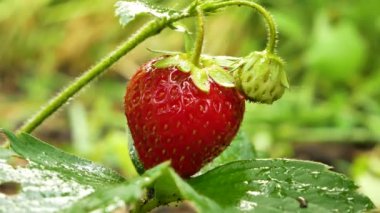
point(171, 119)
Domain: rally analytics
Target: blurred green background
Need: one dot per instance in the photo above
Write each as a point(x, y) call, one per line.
point(331, 113)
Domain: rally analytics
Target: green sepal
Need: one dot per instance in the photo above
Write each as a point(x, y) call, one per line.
point(200, 79)
point(184, 65)
point(212, 67)
point(284, 80)
point(174, 61)
point(165, 62)
point(251, 60)
point(223, 61)
point(164, 52)
point(220, 76)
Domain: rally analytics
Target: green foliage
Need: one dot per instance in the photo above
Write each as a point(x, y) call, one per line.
point(114, 196)
point(220, 76)
point(240, 148)
point(47, 43)
point(259, 185)
point(276, 185)
point(176, 60)
point(53, 159)
point(52, 179)
point(337, 52)
point(40, 190)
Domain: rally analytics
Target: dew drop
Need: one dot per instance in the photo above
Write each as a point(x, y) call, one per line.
point(302, 201)
point(245, 205)
point(315, 174)
point(254, 193)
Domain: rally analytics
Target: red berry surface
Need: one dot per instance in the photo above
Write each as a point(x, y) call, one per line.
point(171, 119)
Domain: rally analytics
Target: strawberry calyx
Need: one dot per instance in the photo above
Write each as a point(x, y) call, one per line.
point(170, 118)
point(208, 69)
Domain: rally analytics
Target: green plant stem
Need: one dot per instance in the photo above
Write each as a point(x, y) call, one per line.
point(271, 24)
point(148, 30)
point(200, 37)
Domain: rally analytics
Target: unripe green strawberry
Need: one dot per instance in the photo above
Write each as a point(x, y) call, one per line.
point(262, 77)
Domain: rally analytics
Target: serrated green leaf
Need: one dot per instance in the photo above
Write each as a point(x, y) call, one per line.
point(127, 11)
point(275, 185)
point(221, 76)
point(41, 190)
point(170, 186)
point(52, 180)
point(200, 79)
point(278, 185)
point(167, 185)
point(128, 192)
point(51, 158)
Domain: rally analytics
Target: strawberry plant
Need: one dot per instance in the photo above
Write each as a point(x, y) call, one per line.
point(183, 111)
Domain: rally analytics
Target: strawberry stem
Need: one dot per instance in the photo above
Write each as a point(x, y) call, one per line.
point(152, 28)
point(200, 37)
point(271, 24)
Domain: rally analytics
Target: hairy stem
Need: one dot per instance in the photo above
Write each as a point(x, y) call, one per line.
point(271, 24)
point(200, 37)
point(148, 30)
